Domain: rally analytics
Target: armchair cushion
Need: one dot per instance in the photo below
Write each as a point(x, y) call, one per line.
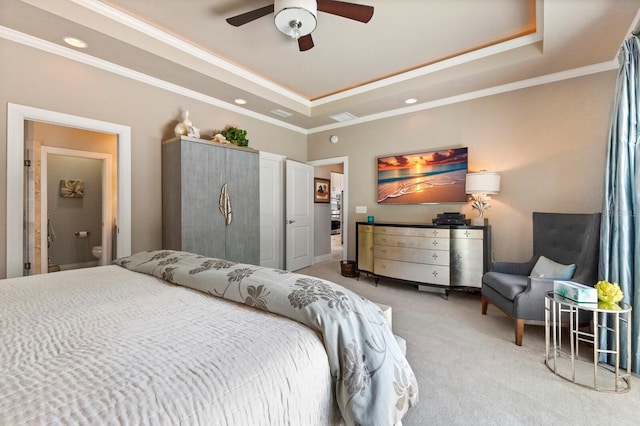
point(508, 285)
point(547, 268)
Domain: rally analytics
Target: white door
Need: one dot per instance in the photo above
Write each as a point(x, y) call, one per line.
point(271, 210)
point(299, 215)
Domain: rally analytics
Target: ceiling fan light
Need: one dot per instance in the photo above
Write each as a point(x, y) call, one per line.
point(295, 18)
point(295, 29)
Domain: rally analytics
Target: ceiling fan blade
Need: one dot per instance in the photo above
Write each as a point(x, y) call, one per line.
point(247, 17)
point(357, 12)
point(305, 43)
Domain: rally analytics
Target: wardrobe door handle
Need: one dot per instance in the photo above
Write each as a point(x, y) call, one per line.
point(225, 205)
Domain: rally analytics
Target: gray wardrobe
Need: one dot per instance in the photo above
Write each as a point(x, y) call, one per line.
point(194, 175)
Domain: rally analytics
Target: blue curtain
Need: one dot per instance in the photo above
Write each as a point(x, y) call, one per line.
point(620, 232)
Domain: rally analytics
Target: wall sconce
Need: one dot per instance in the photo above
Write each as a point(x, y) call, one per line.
point(478, 186)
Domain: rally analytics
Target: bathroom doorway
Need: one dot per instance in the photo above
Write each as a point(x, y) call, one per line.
point(20, 123)
point(76, 209)
point(70, 197)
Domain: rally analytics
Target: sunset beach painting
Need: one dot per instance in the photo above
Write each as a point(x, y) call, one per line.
point(423, 178)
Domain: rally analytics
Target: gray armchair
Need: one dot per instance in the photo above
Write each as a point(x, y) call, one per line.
point(563, 238)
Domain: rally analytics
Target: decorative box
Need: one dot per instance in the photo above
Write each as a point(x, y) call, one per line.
point(575, 291)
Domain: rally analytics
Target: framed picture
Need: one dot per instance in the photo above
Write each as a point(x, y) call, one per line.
point(321, 190)
point(71, 188)
point(423, 177)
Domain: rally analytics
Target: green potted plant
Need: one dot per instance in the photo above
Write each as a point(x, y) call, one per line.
point(235, 136)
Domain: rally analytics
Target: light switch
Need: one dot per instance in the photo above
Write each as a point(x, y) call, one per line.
point(361, 209)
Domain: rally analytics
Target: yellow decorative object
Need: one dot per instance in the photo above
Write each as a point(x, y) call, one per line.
point(610, 306)
point(609, 292)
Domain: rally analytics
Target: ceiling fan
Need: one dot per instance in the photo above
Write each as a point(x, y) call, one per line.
point(298, 18)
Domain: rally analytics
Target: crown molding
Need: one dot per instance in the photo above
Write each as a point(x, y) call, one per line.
point(86, 59)
point(496, 90)
point(56, 49)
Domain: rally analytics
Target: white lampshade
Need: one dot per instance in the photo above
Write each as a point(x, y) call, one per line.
point(295, 18)
point(482, 183)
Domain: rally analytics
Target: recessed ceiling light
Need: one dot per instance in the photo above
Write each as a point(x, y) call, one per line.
point(240, 101)
point(75, 42)
point(411, 101)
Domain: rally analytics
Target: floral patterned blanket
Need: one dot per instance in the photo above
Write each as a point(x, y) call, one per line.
point(374, 384)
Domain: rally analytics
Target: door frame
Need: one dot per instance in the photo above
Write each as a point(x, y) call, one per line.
point(106, 178)
point(16, 117)
point(345, 198)
point(274, 219)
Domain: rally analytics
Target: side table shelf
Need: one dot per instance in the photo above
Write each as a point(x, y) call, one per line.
point(562, 312)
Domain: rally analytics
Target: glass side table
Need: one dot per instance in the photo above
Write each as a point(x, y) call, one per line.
point(562, 312)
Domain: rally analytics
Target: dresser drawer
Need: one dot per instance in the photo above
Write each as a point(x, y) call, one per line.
point(413, 232)
point(466, 276)
point(467, 234)
point(467, 262)
point(418, 272)
point(404, 254)
point(366, 228)
point(411, 242)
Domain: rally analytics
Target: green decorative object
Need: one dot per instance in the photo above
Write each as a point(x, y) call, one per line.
point(609, 292)
point(235, 135)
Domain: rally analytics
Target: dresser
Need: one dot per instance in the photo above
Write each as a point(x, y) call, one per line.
point(200, 176)
point(427, 255)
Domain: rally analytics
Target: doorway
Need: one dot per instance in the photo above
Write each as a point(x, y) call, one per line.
point(76, 206)
point(17, 116)
point(325, 251)
point(337, 193)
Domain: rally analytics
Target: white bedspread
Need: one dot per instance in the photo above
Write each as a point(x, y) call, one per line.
point(374, 383)
point(110, 346)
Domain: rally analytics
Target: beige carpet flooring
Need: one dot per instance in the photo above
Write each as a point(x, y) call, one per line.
point(469, 370)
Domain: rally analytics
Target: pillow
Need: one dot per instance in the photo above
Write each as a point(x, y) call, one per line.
point(547, 268)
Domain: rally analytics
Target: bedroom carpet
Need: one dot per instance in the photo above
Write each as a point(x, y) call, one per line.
point(469, 370)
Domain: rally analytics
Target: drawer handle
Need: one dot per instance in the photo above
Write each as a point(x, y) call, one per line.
point(435, 256)
point(467, 233)
point(458, 257)
point(435, 243)
point(435, 274)
point(435, 232)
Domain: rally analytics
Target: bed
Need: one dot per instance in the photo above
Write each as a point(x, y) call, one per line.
point(168, 337)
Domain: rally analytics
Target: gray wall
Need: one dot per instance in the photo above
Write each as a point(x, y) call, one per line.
point(549, 143)
point(70, 215)
point(42, 80)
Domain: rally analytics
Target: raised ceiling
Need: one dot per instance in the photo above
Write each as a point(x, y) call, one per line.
point(436, 51)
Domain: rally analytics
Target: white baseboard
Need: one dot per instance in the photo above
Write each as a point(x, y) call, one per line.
point(70, 266)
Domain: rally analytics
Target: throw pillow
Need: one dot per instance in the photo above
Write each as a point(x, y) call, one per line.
point(547, 268)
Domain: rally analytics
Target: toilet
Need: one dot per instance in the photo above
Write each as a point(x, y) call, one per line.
point(96, 251)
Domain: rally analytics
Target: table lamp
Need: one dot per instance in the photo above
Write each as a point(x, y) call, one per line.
point(478, 186)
